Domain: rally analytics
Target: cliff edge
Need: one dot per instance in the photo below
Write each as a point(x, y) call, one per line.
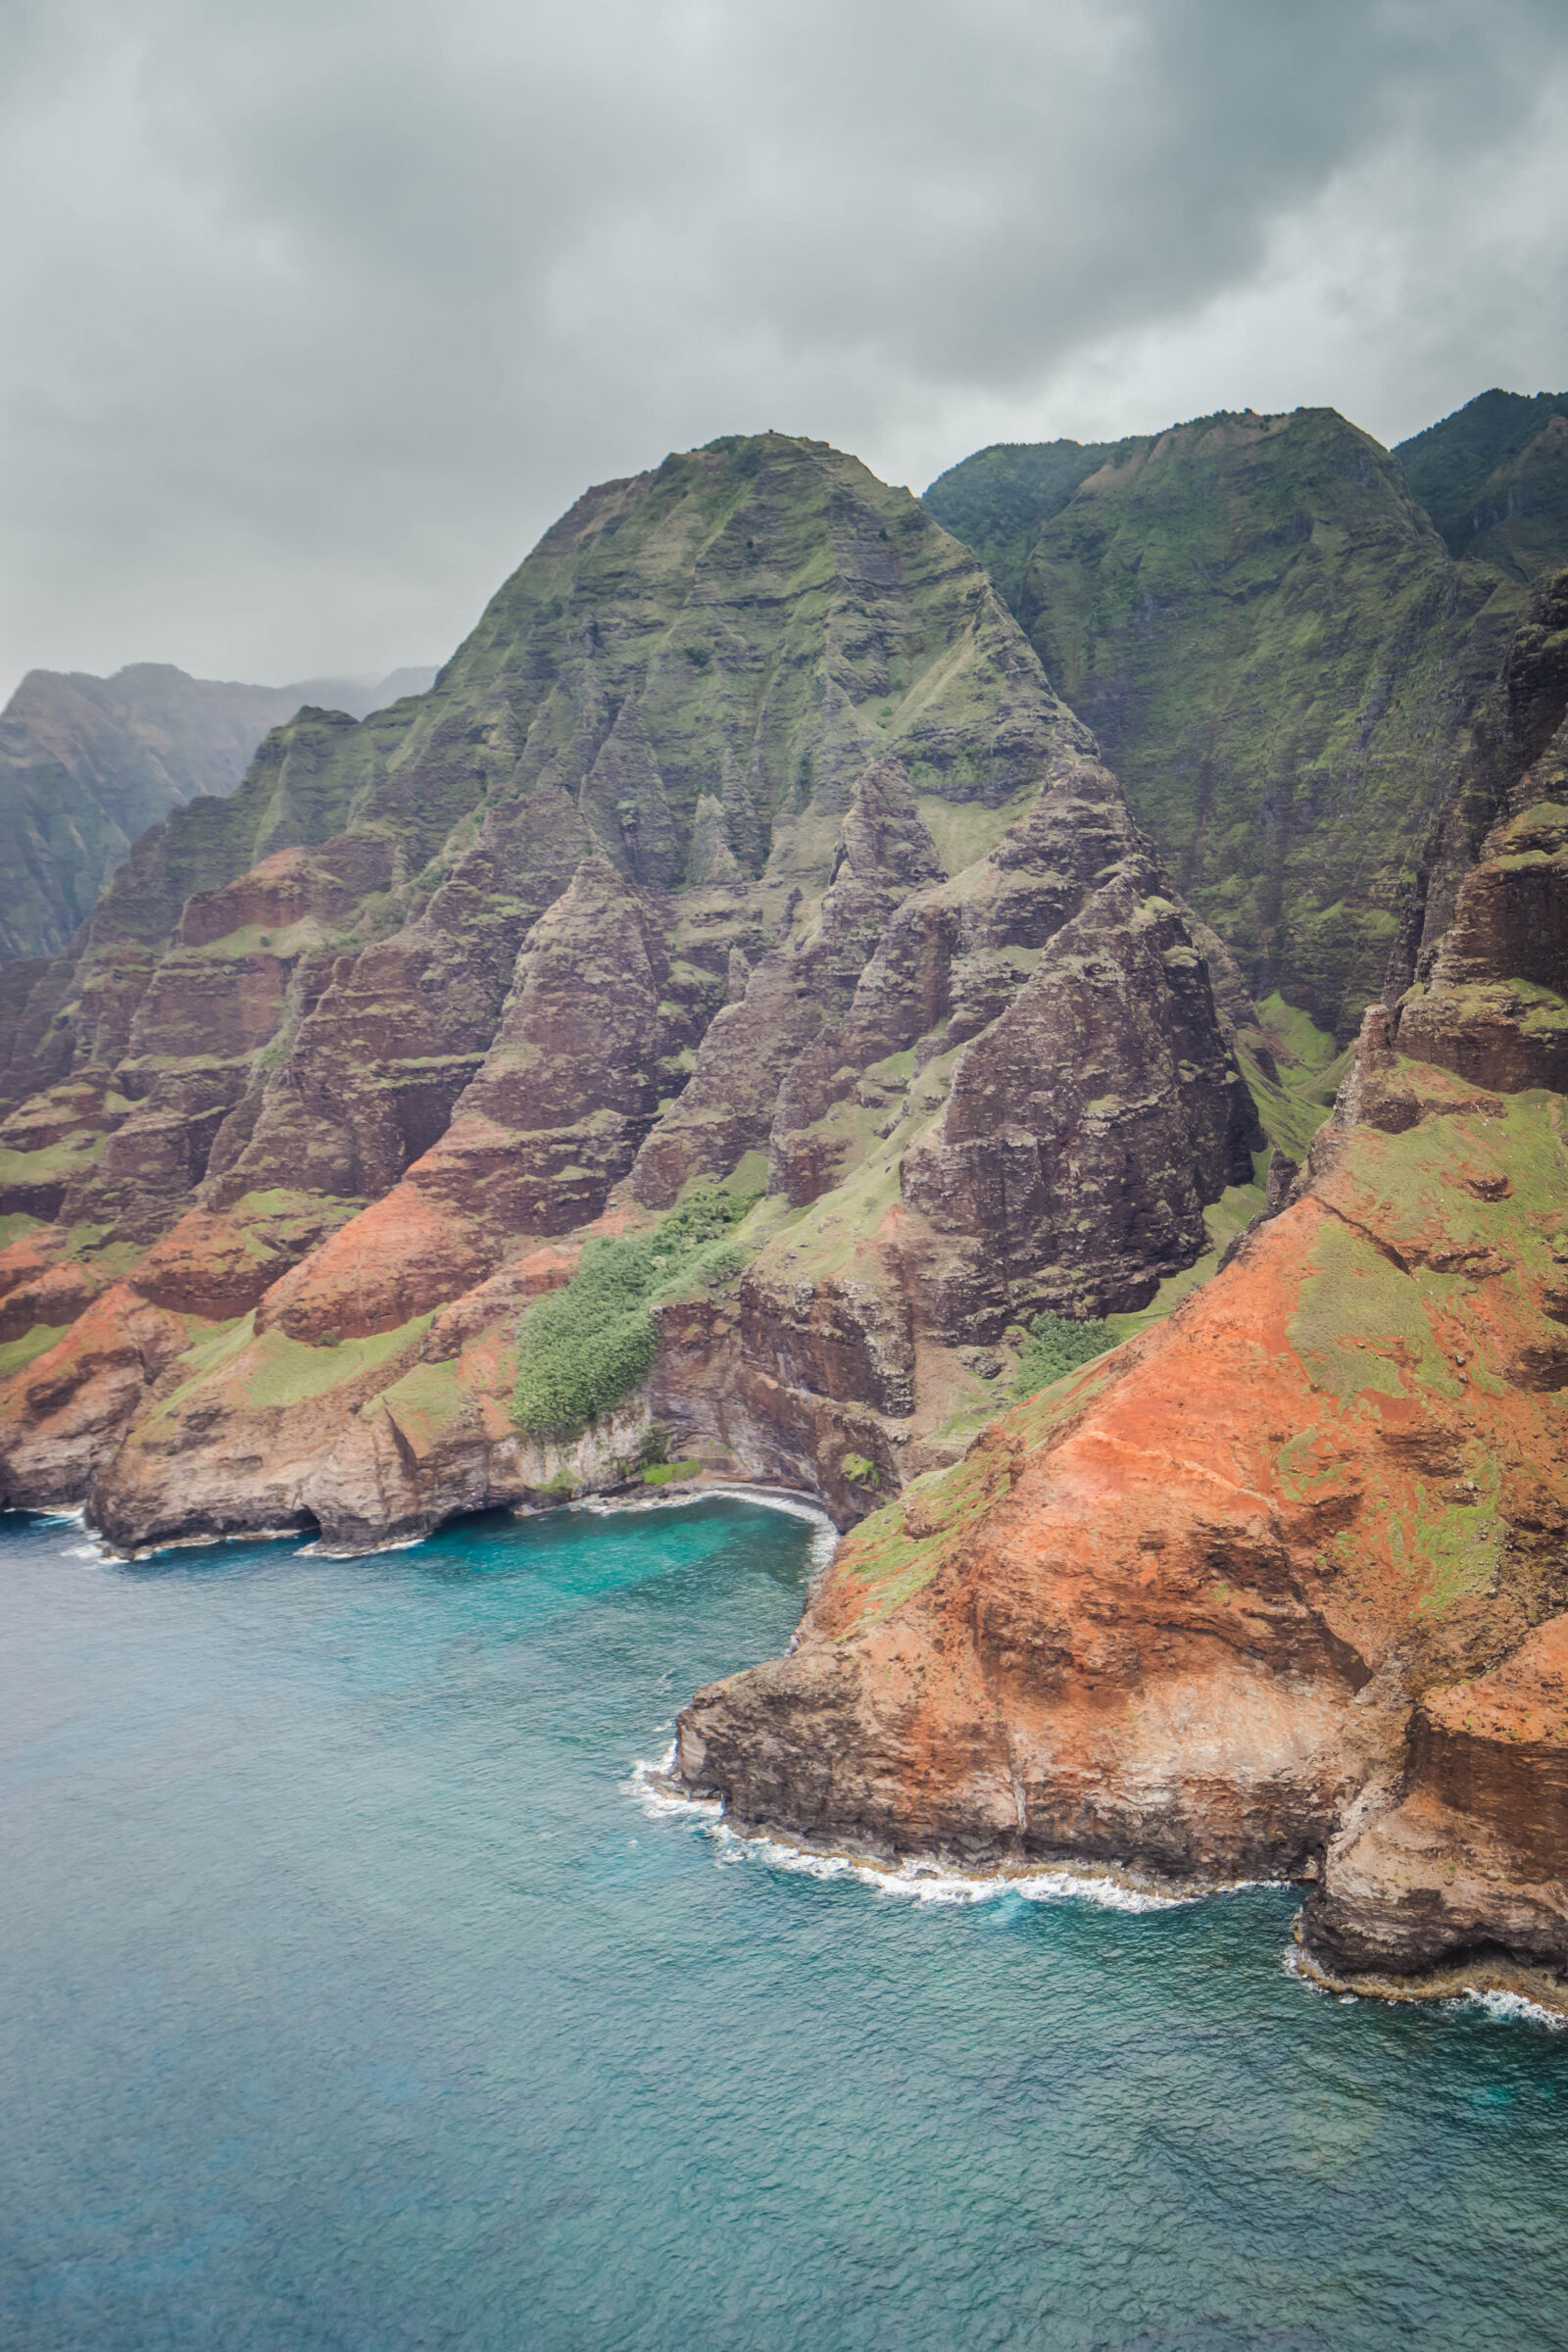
point(1277, 1589)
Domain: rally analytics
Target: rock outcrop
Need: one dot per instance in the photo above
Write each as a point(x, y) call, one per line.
point(1157, 1615)
point(743, 843)
point(1489, 987)
point(86, 764)
point(1280, 1587)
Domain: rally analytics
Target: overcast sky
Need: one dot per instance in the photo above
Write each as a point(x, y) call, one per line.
point(317, 312)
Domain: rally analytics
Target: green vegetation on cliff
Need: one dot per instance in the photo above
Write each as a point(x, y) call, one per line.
point(684, 681)
point(1280, 659)
point(996, 501)
point(1057, 1344)
point(1494, 477)
point(666, 1474)
point(752, 621)
point(582, 1350)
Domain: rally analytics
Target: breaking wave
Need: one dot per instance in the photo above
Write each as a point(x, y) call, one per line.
point(825, 1535)
point(1510, 2008)
point(911, 1879)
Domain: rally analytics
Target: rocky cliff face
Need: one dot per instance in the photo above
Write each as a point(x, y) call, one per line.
point(1281, 1585)
point(743, 843)
point(86, 764)
point(1280, 656)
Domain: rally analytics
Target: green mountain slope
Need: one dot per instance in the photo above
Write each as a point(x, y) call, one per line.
point(1494, 477)
point(754, 620)
point(1280, 659)
point(87, 763)
point(743, 843)
point(996, 501)
point(686, 678)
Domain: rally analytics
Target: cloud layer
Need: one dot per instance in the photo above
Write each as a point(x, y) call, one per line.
point(316, 318)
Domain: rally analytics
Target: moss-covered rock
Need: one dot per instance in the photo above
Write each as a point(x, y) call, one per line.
point(1494, 477)
point(1280, 657)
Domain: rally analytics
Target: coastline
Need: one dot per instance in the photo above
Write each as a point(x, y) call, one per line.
point(1509, 1992)
point(1509, 1987)
point(1111, 1886)
point(792, 1501)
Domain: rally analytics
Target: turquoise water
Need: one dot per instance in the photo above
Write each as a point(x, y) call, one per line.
point(351, 2001)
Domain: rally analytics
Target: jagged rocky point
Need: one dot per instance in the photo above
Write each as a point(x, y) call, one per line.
point(735, 1021)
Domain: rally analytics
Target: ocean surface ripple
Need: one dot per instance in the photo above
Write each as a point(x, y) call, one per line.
point(359, 1993)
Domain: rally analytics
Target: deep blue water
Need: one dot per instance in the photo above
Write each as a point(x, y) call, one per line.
point(349, 2003)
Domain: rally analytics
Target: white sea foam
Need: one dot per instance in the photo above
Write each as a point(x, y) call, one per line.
point(238, 1534)
point(1505, 2008)
point(319, 1551)
point(825, 1538)
point(1294, 1965)
point(911, 1879)
point(662, 1803)
point(1510, 2008)
point(768, 1498)
point(920, 1882)
point(99, 1549)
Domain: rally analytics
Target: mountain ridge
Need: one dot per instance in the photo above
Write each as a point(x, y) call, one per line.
point(1493, 476)
point(741, 975)
point(647, 890)
point(1284, 660)
point(1278, 1586)
point(87, 763)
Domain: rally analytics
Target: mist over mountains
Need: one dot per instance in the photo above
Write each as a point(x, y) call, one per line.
point(88, 764)
point(1062, 1062)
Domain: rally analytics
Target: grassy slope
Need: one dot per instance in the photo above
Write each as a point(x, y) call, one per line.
point(996, 501)
point(1364, 1331)
point(1494, 477)
point(1277, 653)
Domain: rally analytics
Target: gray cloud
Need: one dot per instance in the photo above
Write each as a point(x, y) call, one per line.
point(316, 318)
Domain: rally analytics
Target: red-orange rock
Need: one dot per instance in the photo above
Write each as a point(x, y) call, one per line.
point(1176, 1614)
point(63, 1414)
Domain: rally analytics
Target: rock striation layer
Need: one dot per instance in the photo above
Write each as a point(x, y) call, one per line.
point(744, 844)
point(1280, 1587)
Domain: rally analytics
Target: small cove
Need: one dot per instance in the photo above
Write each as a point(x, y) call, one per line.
point(351, 1999)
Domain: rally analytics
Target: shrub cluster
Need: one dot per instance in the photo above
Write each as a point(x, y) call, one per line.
point(661, 1474)
point(583, 1350)
point(1057, 1344)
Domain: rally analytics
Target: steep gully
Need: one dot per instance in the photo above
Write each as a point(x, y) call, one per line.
point(1277, 1589)
point(654, 885)
point(648, 889)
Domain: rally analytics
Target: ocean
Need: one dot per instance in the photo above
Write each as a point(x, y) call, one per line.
point(355, 1996)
